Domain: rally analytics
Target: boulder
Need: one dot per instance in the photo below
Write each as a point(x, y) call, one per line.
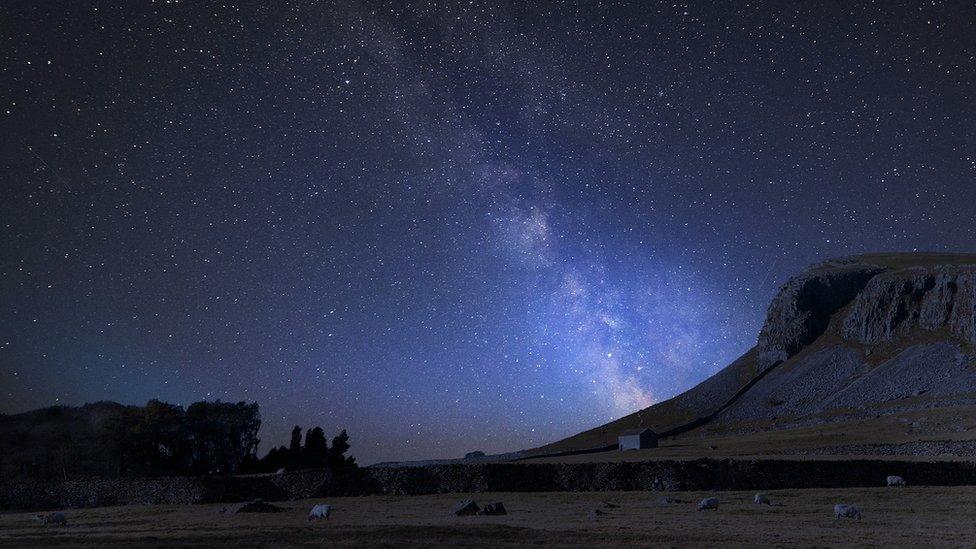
point(51, 518)
point(496, 508)
point(465, 508)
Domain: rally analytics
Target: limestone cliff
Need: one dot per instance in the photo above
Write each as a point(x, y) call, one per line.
point(896, 303)
point(923, 308)
point(801, 311)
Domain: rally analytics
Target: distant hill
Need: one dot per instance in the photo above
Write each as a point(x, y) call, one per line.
point(865, 354)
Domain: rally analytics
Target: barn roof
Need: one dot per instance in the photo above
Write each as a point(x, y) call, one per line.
point(633, 432)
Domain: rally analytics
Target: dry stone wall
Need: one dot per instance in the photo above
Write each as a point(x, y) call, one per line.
point(702, 474)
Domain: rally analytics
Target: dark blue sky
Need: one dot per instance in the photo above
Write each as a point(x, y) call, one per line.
point(449, 227)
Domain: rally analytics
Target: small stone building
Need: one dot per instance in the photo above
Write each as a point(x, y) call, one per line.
point(637, 439)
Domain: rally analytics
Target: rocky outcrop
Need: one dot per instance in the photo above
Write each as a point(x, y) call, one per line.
point(799, 390)
point(895, 303)
point(801, 311)
point(939, 369)
point(837, 379)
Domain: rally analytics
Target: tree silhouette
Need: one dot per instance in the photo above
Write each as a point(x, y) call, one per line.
point(315, 453)
point(295, 446)
point(107, 439)
point(337, 454)
point(316, 448)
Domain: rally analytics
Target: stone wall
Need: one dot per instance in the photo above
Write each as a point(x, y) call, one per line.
point(702, 474)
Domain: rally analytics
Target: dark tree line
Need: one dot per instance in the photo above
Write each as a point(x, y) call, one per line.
point(109, 439)
point(314, 454)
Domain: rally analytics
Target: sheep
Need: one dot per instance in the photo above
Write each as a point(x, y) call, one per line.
point(846, 511)
point(761, 499)
point(281, 471)
point(895, 480)
point(320, 511)
point(708, 504)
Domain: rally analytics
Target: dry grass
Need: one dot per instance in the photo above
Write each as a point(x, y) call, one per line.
point(914, 516)
point(903, 260)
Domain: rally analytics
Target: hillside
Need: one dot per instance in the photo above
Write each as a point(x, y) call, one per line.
point(865, 354)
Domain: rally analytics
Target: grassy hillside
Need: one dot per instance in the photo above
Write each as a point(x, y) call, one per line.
point(902, 260)
point(699, 401)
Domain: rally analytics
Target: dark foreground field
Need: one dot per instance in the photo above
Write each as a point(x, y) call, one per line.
point(913, 516)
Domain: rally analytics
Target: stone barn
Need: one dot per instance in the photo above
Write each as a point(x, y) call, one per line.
point(637, 439)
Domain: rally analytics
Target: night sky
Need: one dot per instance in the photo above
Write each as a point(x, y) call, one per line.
point(451, 227)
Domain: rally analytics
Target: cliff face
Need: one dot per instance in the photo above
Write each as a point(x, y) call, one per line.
point(893, 304)
point(815, 360)
point(925, 312)
point(801, 311)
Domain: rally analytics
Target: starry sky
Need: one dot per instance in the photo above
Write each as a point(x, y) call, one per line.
point(451, 226)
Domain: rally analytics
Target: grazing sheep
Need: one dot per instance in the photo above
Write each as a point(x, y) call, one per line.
point(281, 471)
point(895, 480)
point(843, 510)
point(708, 504)
point(320, 511)
point(761, 499)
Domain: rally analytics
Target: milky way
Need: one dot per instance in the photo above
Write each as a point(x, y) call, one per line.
point(451, 227)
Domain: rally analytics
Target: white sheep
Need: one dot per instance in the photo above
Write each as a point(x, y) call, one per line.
point(761, 499)
point(895, 480)
point(846, 511)
point(708, 503)
point(320, 511)
point(281, 471)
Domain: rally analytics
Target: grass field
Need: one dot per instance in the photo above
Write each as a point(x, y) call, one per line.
point(913, 516)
